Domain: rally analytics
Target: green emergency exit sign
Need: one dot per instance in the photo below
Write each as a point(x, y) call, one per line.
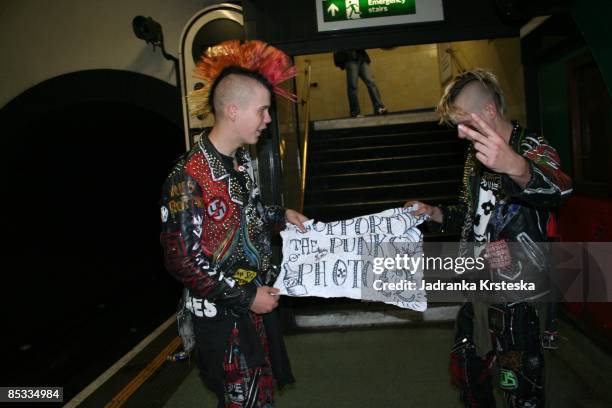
point(346, 10)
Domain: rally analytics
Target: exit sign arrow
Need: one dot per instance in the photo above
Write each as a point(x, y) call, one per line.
point(333, 9)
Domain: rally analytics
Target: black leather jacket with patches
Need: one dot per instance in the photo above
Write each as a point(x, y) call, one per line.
point(519, 218)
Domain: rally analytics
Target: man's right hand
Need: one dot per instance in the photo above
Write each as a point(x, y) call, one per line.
point(266, 300)
point(435, 213)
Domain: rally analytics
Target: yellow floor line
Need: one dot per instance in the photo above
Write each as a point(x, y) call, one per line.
point(123, 395)
point(105, 376)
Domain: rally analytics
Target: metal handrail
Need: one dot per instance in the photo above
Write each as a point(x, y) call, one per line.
point(306, 113)
point(455, 59)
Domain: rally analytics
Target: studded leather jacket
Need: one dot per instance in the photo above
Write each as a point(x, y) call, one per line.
point(215, 230)
point(520, 217)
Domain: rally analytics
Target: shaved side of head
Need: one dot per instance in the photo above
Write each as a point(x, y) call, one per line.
point(474, 90)
point(234, 89)
point(476, 97)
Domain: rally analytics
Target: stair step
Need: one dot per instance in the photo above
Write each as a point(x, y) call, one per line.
point(384, 129)
point(373, 177)
point(384, 164)
point(361, 316)
point(334, 212)
point(382, 192)
point(317, 141)
point(382, 151)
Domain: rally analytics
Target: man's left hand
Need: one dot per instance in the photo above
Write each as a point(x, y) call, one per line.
point(296, 219)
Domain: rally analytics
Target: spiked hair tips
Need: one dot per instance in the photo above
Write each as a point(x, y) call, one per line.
point(267, 64)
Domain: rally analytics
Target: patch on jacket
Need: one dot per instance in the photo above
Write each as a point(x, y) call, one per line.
point(244, 276)
point(217, 209)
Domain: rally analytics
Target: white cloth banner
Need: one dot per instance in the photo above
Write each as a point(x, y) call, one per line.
point(338, 259)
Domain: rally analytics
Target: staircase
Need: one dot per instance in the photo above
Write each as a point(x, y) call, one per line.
point(357, 171)
point(361, 170)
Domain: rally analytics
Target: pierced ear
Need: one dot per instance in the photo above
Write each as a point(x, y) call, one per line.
point(231, 111)
point(491, 110)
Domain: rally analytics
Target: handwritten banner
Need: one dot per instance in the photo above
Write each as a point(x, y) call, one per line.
point(337, 259)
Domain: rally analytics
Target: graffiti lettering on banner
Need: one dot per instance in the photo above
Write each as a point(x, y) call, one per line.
point(336, 259)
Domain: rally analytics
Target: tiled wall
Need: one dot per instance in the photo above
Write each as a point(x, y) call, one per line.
point(408, 77)
point(503, 57)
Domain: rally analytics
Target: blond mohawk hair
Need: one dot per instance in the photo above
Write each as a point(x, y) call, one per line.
point(487, 79)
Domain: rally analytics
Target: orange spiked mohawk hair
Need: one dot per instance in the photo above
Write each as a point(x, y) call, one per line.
point(273, 65)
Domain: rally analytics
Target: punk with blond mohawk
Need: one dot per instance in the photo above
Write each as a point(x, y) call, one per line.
point(512, 183)
point(488, 80)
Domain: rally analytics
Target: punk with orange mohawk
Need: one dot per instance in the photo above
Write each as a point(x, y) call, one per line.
point(270, 65)
point(216, 231)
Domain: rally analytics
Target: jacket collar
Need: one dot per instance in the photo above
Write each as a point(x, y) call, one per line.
point(220, 171)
